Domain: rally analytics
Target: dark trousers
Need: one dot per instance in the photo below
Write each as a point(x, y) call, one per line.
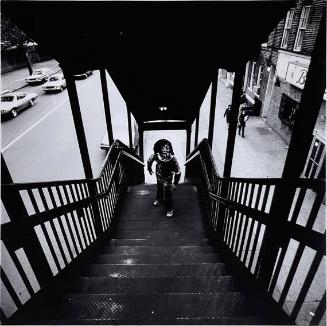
point(241, 128)
point(164, 193)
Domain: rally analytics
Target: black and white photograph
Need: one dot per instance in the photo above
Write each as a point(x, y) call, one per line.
point(163, 162)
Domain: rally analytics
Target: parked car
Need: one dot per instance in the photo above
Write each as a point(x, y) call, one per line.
point(83, 75)
point(12, 103)
point(55, 82)
point(39, 76)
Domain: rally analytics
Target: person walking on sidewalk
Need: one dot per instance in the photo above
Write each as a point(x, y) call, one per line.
point(168, 173)
point(243, 117)
point(227, 113)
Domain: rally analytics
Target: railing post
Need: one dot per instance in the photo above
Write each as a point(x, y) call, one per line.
point(141, 142)
point(212, 107)
point(106, 104)
point(78, 122)
point(16, 210)
point(196, 137)
point(237, 91)
point(307, 114)
point(188, 140)
point(12, 201)
point(129, 128)
point(77, 117)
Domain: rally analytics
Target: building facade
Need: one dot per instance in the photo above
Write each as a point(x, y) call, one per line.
point(274, 81)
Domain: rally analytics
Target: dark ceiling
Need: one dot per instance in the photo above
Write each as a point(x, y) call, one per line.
point(160, 53)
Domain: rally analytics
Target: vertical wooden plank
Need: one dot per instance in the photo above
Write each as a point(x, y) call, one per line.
point(237, 91)
point(106, 103)
point(188, 140)
point(306, 285)
point(129, 122)
point(212, 107)
point(141, 142)
point(319, 311)
point(196, 136)
point(11, 200)
point(78, 122)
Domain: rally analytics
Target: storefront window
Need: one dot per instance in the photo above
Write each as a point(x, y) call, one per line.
point(287, 110)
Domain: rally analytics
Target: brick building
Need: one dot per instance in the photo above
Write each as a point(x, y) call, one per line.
point(274, 81)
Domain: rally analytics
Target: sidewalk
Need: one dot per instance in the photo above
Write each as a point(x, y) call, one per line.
point(15, 80)
point(261, 154)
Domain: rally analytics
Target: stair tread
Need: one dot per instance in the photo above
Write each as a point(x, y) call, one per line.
point(154, 270)
point(244, 320)
point(159, 225)
point(158, 234)
point(158, 249)
point(159, 242)
point(186, 284)
point(157, 258)
point(153, 306)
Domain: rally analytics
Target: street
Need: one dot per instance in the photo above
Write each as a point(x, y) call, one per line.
point(40, 144)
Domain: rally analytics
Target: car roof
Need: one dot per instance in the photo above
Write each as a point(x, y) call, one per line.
point(13, 94)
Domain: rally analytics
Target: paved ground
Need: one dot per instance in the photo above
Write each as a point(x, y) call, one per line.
point(261, 154)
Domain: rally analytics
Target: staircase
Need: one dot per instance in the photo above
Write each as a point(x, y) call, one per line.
point(157, 270)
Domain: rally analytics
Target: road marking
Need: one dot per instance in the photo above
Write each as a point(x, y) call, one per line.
point(38, 122)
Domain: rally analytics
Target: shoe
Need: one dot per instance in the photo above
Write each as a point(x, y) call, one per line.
point(170, 213)
point(156, 203)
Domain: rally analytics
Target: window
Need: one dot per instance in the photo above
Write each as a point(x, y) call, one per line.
point(252, 76)
point(20, 96)
point(259, 76)
point(7, 98)
point(287, 110)
point(287, 28)
point(316, 159)
point(256, 84)
point(301, 28)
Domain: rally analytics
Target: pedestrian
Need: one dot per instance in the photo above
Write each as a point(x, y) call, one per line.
point(243, 117)
point(243, 98)
point(167, 172)
point(227, 113)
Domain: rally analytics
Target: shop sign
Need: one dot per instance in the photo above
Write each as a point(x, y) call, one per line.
point(296, 74)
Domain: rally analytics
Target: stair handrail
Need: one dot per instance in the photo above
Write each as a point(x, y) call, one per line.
point(240, 216)
point(75, 215)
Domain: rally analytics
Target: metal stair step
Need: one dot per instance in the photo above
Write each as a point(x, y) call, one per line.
point(138, 307)
point(158, 234)
point(182, 258)
point(154, 270)
point(244, 320)
point(158, 215)
point(188, 284)
point(160, 224)
point(145, 211)
point(159, 242)
point(145, 250)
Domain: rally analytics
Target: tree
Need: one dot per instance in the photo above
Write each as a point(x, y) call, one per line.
point(13, 37)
